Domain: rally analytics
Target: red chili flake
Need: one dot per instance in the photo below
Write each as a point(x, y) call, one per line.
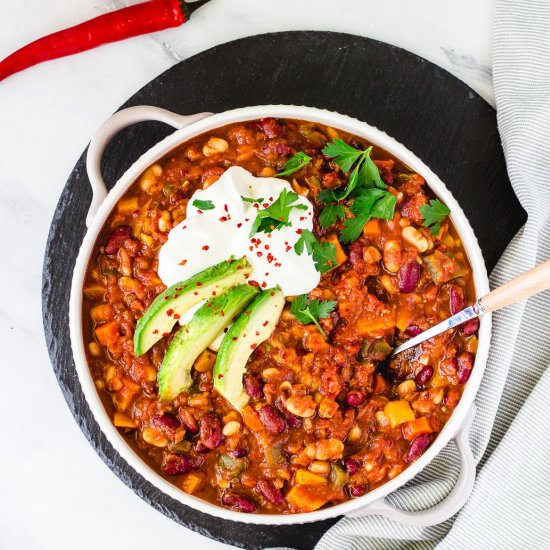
point(196, 293)
point(177, 316)
point(288, 248)
point(269, 235)
point(247, 275)
point(205, 247)
point(247, 219)
point(200, 211)
point(271, 199)
point(155, 331)
point(234, 338)
point(167, 297)
point(239, 225)
point(184, 227)
point(225, 208)
point(265, 204)
point(251, 248)
point(302, 218)
point(265, 323)
point(247, 312)
point(214, 293)
point(165, 334)
point(198, 283)
point(264, 284)
point(286, 242)
point(270, 257)
point(299, 231)
point(176, 296)
point(170, 312)
point(223, 219)
point(272, 294)
point(183, 262)
point(259, 254)
point(266, 246)
point(253, 346)
point(239, 267)
point(254, 283)
point(267, 274)
point(220, 376)
point(257, 333)
point(277, 264)
point(256, 205)
point(222, 313)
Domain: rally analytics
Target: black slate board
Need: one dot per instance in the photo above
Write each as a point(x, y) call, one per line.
point(435, 115)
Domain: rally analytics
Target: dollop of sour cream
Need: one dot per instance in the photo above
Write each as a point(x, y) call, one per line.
point(207, 237)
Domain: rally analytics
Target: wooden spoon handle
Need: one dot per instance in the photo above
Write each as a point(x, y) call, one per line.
point(529, 283)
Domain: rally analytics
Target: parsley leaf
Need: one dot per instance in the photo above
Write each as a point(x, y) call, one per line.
point(295, 163)
point(371, 203)
point(251, 200)
point(323, 254)
point(309, 311)
point(203, 205)
point(307, 239)
point(331, 214)
point(344, 155)
point(434, 213)
point(276, 216)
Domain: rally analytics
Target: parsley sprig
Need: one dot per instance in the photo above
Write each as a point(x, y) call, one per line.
point(323, 253)
point(434, 213)
point(309, 311)
point(295, 163)
point(365, 188)
point(203, 205)
point(276, 215)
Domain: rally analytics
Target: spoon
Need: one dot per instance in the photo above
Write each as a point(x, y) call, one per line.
point(525, 285)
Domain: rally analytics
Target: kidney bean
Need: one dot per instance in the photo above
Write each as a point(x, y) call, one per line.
point(357, 490)
point(116, 238)
point(424, 375)
point(355, 398)
point(413, 330)
point(200, 448)
point(269, 491)
point(271, 419)
point(456, 299)
point(238, 502)
point(174, 465)
point(465, 365)
point(188, 419)
point(238, 453)
point(166, 421)
point(210, 431)
point(408, 276)
point(271, 128)
point(291, 419)
point(470, 327)
point(253, 385)
point(418, 445)
point(352, 465)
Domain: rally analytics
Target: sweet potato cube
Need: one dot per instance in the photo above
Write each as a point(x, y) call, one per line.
point(251, 419)
point(398, 412)
point(192, 482)
point(305, 498)
point(127, 206)
point(340, 254)
point(416, 427)
point(122, 420)
point(372, 227)
point(304, 477)
point(108, 334)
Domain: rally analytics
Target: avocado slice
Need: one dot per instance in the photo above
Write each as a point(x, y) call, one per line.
point(174, 375)
point(251, 328)
point(168, 307)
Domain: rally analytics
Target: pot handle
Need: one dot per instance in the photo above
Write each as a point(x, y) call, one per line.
point(109, 129)
point(449, 506)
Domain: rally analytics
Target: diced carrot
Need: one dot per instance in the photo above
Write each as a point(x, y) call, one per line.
point(314, 341)
point(192, 482)
point(305, 498)
point(372, 228)
point(124, 397)
point(398, 412)
point(251, 419)
point(304, 477)
point(404, 318)
point(108, 334)
point(416, 427)
point(340, 254)
point(122, 420)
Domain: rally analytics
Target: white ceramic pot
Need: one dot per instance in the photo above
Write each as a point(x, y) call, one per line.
point(188, 127)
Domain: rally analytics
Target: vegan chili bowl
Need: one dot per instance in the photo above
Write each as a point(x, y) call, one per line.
point(236, 300)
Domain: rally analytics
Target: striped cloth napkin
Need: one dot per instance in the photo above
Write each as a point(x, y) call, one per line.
point(510, 438)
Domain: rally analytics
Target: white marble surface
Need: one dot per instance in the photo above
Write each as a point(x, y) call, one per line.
point(55, 493)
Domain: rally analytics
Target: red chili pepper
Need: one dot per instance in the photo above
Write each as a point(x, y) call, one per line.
point(148, 17)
